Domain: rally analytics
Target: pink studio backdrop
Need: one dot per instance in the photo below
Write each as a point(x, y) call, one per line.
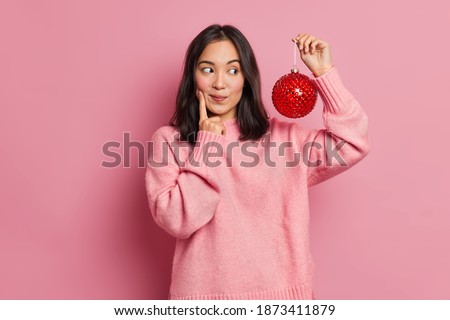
point(75, 75)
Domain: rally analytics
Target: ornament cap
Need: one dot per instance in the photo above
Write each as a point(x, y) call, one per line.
point(294, 70)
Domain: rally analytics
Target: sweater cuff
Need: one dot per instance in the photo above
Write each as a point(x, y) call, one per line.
point(332, 91)
point(208, 147)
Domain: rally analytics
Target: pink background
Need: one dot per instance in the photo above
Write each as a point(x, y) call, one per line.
point(77, 74)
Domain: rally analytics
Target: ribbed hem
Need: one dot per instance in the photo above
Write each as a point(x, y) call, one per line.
point(212, 139)
point(332, 91)
point(298, 292)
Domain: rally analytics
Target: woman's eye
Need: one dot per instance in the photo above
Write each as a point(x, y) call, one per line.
point(209, 70)
point(206, 69)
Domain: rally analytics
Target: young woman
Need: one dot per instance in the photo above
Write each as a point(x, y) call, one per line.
point(231, 183)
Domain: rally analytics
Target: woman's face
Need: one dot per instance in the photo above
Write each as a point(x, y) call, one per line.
point(218, 75)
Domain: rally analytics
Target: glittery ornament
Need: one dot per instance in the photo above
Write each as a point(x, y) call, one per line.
point(294, 95)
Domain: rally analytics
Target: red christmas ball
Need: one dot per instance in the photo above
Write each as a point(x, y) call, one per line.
point(294, 95)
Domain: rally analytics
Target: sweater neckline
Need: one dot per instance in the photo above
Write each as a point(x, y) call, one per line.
point(230, 122)
point(233, 130)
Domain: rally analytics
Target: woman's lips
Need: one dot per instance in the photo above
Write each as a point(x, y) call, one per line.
point(218, 98)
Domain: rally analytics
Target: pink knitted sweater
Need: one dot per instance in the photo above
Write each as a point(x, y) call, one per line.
point(239, 210)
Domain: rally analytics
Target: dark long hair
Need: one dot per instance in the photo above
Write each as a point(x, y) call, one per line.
point(252, 116)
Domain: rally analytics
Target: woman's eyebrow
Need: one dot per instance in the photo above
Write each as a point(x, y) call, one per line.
point(212, 63)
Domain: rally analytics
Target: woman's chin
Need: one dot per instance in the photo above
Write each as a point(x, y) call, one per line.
point(217, 112)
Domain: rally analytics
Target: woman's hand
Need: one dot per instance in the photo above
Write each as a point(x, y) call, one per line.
point(315, 53)
point(213, 124)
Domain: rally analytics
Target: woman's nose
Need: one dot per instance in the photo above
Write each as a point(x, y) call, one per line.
point(219, 81)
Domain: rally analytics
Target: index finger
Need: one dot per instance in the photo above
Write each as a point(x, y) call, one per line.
point(202, 106)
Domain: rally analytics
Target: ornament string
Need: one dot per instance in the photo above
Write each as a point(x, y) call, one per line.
point(295, 56)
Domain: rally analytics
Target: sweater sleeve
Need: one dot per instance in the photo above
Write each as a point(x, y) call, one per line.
point(344, 141)
point(182, 197)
